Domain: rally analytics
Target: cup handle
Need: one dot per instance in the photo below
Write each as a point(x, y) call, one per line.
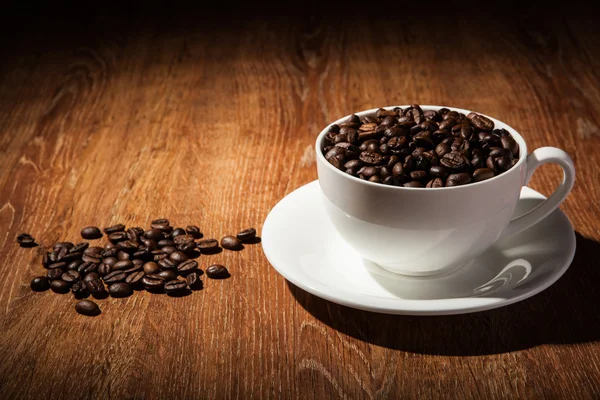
point(542, 156)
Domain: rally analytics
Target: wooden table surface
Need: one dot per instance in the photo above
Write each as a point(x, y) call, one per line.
point(210, 118)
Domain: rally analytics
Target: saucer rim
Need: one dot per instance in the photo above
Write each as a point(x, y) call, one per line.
point(352, 300)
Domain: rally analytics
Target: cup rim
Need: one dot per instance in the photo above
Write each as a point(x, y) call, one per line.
point(522, 149)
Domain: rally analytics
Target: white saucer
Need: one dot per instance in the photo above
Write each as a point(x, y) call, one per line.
point(303, 246)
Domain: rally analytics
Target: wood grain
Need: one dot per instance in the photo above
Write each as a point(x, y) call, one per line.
point(207, 118)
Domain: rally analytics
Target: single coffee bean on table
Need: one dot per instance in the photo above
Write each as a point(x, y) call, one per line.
point(87, 308)
point(25, 240)
point(231, 243)
point(39, 284)
point(91, 232)
point(416, 148)
point(246, 234)
point(217, 271)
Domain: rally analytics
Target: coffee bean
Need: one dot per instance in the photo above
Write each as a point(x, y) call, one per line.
point(60, 265)
point(178, 231)
point(114, 228)
point(96, 288)
point(88, 267)
point(187, 248)
point(194, 231)
point(246, 234)
point(55, 273)
point(120, 289)
point(167, 275)
point(160, 221)
point(114, 277)
point(39, 284)
point(79, 289)
point(151, 268)
point(183, 238)
point(135, 277)
point(70, 276)
point(438, 171)
point(217, 271)
point(168, 250)
point(231, 243)
point(435, 183)
point(371, 158)
point(104, 269)
point(187, 266)
point(127, 246)
point(175, 286)
point(117, 237)
point(413, 184)
point(503, 163)
point(93, 258)
point(153, 282)
point(91, 232)
point(166, 263)
point(87, 308)
point(510, 144)
point(91, 276)
point(418, 175)
point(178, 257)
point(74, 265)
point(60, 245)
point(122, 265)
point(59, 286)
point(454, 161)
point(458, 179)
point(482, 174)
point(133, 235)
point(207, 245)
point(93, 250)
point(193, 281)
point(25, 240)
point(154, 234)
point(481, 122)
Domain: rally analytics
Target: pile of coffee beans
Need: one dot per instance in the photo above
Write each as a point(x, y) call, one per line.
point(416, 148)
point(159, 259)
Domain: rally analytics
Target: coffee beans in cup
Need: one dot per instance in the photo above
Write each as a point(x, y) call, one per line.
point(419, 148)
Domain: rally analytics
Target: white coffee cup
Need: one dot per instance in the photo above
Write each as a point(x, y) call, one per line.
point(428, 231)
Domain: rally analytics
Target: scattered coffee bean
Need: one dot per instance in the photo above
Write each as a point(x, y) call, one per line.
point(120, 289)
point(39, 284)
point(160, 221)
point(122, 265)
point(167, 275)
point(59, 286)
point(183, 238)
point(187, 266)
point(91, 276)
point(87, 308)
point(412, 148)
point(231, 243)
point(151, 268)
point(177, 232)
point(26, 240)
point(135, 277)
point(193, 281)
point(153, 282)
point(246, 234)
point(176, 286)
point(91, 232)
point(114, 277)
point(207, 245)
point(217, 272)
point(114, 228)
point(178, 257)
point(194, 231)
point(79, 247)
point(70, 276)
